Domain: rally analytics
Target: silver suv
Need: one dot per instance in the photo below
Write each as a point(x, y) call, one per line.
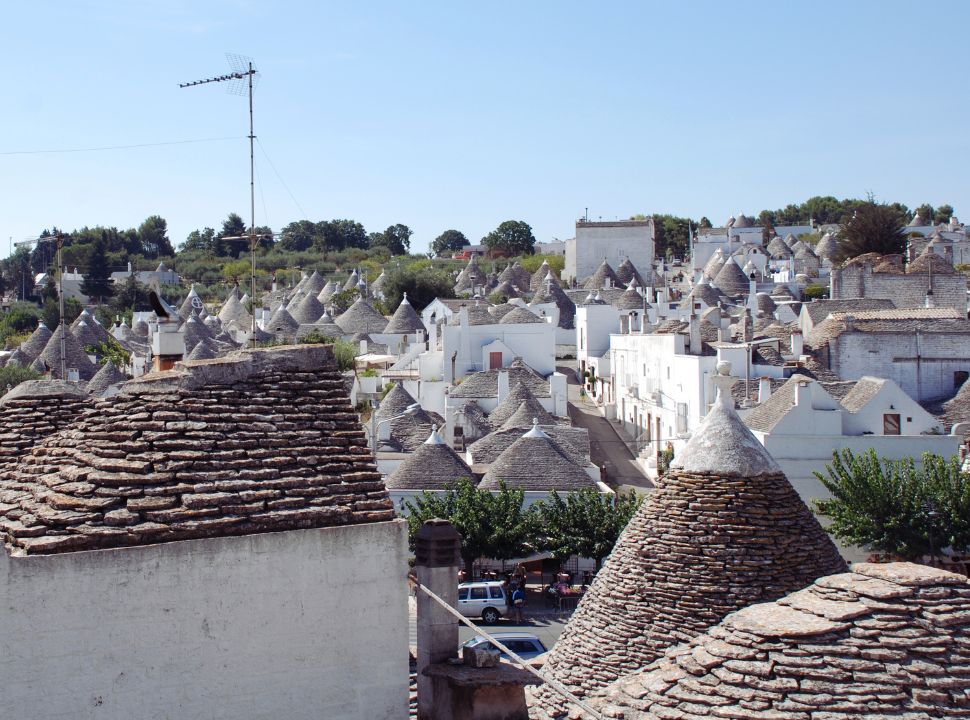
point(482, 599)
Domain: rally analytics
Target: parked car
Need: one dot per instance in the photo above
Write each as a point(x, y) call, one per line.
point(522, 644)
point(482, 599)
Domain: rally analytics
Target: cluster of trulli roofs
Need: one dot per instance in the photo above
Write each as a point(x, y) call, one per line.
point(879, 363)
point(215, 541)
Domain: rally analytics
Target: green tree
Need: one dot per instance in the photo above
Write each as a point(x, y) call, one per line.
point(586, 523)
point(397, 239)
point(97, 276)
point(153, 237)
point(448, 242)
point(671, 235)
point(873, 228)
point(202, 240)
point(943, 214)
point(298, 236)
point(421, 281)
point(893, 507)
point(704, 223)
point(492, 526)
point(232, 227)
point(12, 375)
point(925, 211)
point(339, 235)
point(512, 237)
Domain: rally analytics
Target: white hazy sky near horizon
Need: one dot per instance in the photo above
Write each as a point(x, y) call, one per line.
point(441, 115)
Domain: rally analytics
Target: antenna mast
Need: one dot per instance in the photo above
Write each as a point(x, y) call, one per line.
point(240, 79)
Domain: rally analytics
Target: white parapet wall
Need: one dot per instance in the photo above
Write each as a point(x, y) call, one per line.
point(299, 624)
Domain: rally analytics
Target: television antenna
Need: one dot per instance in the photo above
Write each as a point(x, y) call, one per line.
point(57, 238)
point(242, 78)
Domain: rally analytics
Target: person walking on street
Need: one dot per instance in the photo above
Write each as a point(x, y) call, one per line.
point(518, 602)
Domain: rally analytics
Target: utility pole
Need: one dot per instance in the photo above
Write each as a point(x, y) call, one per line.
point(242, 69)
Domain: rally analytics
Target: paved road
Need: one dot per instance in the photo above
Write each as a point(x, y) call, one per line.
point(607, 448)
point(547, 628)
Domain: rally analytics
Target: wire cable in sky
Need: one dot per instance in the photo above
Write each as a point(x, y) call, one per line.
point(120, 147)
point(282, 182)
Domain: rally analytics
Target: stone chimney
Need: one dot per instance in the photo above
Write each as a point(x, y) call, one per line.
point(437, 551)
point(849, 321)
point(503, 385)
point(694, 324)
point(477, 687)
point(797, 343)
point(764, 388)
point(747, 326)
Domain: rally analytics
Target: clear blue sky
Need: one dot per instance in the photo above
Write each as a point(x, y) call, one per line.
point(442, 115)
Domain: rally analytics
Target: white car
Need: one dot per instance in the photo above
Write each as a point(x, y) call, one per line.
point(482, 599)
point(522, 644)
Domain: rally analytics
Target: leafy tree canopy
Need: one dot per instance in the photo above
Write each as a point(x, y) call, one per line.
point(512, 237)
point(873, 228)
point(97, 284)
point(893, 507)
point(397, 239)
point(420, 281)
point(448, 242)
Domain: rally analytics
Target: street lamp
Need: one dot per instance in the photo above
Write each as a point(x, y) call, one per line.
point(375, 426)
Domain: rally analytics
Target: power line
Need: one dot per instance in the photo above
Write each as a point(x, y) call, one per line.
point(280, 178)
point(120, 147)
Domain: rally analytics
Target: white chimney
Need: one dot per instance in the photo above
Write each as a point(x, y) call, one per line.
point(764, 388)
point(695, 334)
point(503, 384)
point(797, 343)
point(802, 393)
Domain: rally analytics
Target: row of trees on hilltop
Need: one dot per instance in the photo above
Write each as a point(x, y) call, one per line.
point(499, 525)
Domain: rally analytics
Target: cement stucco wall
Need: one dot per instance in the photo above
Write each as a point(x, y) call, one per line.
point(612, 241)
point(300, 624)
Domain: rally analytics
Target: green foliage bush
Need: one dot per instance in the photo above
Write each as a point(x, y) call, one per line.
point(12, 375)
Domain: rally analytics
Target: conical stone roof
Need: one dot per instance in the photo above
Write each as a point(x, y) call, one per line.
point(352, 281)
point(19, 357)
point(552, 293)
point(234, 314)
point(500, 311)
point(516, 275)
point(432, 466)
point(630, 300)
point(314, 284)
point(329, 290)
point(282, 324)
point(204, 349)
point(714, 264)
point(731, 280)
point(507, 289)
point(529, 412)
point(599, 278)
point(405, 320)
point(34, 410)
point(777, 249)
point(518, 316)
point(827, 246)
point(133, 485)
point(377, 286)
point(33, 346)
point(326, 326)
point(723, 530)
point(408, 431)
point(361, 317)
point(74, 354)
point(107, 376)
point(309, 309)
point(191, 305)
point(518, 394)
point(704, 292)
point(887, 640)
point(535, 462)
point(541, 276)
point(85, 334)
point(626, 271)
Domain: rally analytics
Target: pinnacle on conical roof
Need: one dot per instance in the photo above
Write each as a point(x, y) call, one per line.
point(536, 462)
point(107, 376)
point(724, 529)
point(74, 354)
point(541, 276)
point(35, 344)
point(361, 317)
point(432, 466)
point(404, 320)
point(352, 281)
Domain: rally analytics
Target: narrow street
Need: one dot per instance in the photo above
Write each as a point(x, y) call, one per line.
point(607, 448)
